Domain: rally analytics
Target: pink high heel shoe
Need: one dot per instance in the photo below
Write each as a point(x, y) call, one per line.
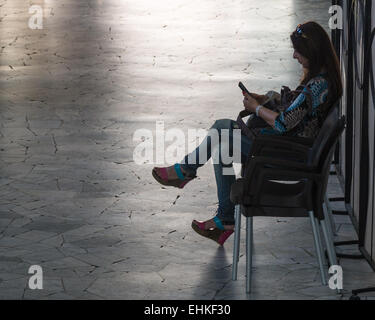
point(161, 176)
point(219, 234)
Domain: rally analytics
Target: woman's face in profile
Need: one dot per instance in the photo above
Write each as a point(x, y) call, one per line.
point(301, 59)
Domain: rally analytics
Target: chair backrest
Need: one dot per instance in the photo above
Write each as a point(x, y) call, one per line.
point(322, 143)
point(321, 154)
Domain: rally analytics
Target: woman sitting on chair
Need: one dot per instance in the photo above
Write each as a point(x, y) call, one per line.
point(304, 117)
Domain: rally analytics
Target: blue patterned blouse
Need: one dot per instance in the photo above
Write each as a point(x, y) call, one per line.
point(303, 116)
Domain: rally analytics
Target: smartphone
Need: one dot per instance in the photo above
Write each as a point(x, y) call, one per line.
point(243, 88)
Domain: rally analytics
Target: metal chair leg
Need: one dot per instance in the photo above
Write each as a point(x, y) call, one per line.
point(236, 247)
point(321, 243)
point(330, 246)
point(330, 231)
point(329, 243)
point(249, 252)
point(329, 219)
point(317, 247)
point(328, 214)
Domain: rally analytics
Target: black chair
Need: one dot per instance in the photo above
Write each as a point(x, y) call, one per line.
point(261, 191)
point(280, 147)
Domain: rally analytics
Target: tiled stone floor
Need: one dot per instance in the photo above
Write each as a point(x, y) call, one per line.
point(73, 201)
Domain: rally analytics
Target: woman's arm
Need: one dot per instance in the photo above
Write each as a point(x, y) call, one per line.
point(283, 121)
point(266, 114)
point(291, 117)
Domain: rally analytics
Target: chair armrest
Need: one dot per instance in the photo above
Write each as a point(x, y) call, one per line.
point(283, 154)
point(258, 163)
point(278, 143)
point(287, 175)
point(299, 140)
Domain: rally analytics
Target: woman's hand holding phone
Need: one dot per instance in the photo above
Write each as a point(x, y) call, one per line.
point(260, 98)
point(249, 102)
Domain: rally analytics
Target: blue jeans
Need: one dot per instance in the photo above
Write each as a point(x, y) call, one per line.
point(224, 182)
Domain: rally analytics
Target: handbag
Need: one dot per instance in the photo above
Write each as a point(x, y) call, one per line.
point(275, 102)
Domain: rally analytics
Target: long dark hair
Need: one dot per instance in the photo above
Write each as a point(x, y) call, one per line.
point(313, 42)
